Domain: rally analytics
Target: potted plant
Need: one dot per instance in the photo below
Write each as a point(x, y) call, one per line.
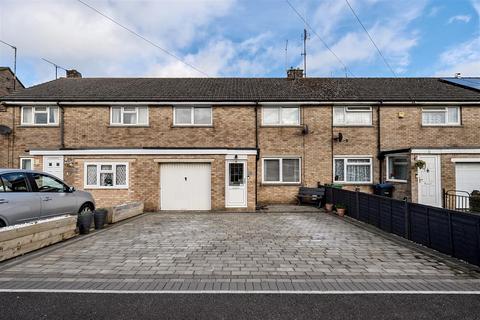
point(84, 221)
point(420, 164)
point(328, 207)
point(99, 218)
point(341, 208)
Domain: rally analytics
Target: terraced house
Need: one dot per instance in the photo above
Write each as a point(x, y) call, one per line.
point(234, 143)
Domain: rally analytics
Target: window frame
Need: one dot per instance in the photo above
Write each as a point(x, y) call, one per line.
point(387, 166)
point(281, 124)
point(122, 112)
point(346, 109)
point(192, 117)
point(281, 170)
point(345, 164)
point(98, 164)
point(48, 124)
point(27, 158)
point(445, 109)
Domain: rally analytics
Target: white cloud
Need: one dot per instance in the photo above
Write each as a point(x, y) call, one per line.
point(463, 58)
point(459, 18)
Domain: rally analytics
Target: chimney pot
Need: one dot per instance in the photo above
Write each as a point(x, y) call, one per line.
point(73, 74)
point(293, 73)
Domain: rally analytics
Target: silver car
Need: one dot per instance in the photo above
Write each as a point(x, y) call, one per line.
point(27, 195)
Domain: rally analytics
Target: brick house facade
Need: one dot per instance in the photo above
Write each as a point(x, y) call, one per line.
point(262, 140)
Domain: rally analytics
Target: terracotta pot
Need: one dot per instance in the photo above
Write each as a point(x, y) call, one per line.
point(341, 212)
point(328, 207)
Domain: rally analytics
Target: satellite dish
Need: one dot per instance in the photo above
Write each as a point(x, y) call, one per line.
point(339, 137)
point(4, 130)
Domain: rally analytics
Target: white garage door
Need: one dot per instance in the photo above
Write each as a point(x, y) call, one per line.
point(467, 176)
point(185, 186)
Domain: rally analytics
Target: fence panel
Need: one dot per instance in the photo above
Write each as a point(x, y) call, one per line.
point(447, 231)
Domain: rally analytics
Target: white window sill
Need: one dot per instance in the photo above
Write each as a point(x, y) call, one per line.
point(265, 183)
point(54, 125)
point(354, 125)
point(397, 181)
point(105, 188)
point(129, 126)
point(281, 126)
point(192, 126)
point(442, 125)
point(354, 183)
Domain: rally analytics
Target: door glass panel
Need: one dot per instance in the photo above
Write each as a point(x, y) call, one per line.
point(15, 182)
point(236, 174)
point(26, 164)
point(48, 184)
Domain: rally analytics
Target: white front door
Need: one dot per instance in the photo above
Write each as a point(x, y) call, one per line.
point(185, 186)
point(236, 184)
point(429, 184)
point(53, 165)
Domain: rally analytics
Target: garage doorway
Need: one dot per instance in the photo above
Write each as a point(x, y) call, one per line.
point(185, 186)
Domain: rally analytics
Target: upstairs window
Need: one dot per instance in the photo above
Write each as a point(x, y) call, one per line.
point(352, 116)
point(129, 116)
point(40, 115)
point(281, 116)
point(192, 116)
point(397, 168)
point(353, 170)
point(441, 116)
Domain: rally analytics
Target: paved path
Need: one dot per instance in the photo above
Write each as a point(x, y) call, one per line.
point(240, 252)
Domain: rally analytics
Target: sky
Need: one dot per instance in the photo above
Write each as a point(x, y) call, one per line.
point(240, 38)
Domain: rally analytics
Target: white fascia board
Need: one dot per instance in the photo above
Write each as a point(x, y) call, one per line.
point(445, 151)
point(93, 152)
point(465, 159)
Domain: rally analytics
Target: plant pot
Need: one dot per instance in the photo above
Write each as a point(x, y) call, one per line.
point(328, 207)
point(99, 218)
point(84, 222)
point(341, 212)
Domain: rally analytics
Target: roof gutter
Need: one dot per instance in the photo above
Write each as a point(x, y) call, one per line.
point(241, 103)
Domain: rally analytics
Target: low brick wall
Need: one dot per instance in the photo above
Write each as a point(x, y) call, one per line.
point(20, 239)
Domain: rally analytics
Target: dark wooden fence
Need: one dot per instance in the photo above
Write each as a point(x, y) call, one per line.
point(451, 232)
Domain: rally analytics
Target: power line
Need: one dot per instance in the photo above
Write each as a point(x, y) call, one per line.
point(143, 38)
point(371, 39)
point(56, 67)
point(318, 36)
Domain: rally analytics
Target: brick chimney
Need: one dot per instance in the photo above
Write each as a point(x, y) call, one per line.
point(293, 73)
point(73, 74)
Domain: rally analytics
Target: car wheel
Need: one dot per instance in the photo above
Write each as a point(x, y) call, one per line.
point(86, 207)
point(2, 224)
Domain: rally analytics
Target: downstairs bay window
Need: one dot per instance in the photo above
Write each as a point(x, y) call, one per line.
point(281, 170)
point(106, 175)
point(352, 170)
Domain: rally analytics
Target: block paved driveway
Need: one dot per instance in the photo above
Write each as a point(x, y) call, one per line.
point(300, 251)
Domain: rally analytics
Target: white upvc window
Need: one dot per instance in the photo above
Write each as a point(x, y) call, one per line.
point(441, 116)
point(352, 170)
point(26, 163)
point(129, 116)
point(192, 116)
point(280, 116)
point(106, 175)
point(397, 168)
point(352, 116)
point(40, 115)
point(282, 170)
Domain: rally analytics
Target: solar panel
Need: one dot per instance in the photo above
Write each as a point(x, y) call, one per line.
point(466, 82)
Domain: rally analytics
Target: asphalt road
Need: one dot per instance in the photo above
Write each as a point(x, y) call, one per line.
point(236, 306)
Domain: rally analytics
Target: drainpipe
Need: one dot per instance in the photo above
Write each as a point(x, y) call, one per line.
point(14, 115)
point(331, 144)
point(379, 146)
point(62, 126)
point(258, 153)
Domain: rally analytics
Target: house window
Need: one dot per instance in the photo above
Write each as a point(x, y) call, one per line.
point(352, 116)
point(281, 170)
point(353, 170)
point(26, 163)
point(397, 168)
point(281, 116)
point(41, 116)
point(129, 116)
point(441, 116)
point(106, 175)
point(192, 116)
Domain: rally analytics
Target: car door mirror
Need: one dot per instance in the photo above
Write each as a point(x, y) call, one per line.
point(71, 189)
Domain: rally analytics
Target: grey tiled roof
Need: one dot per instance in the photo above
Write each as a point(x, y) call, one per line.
point(246, 89)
